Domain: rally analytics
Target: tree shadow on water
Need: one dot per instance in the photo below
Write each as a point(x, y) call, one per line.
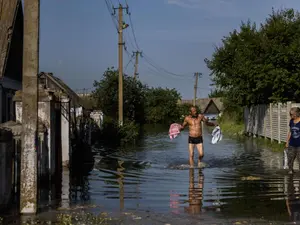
point(81, 164)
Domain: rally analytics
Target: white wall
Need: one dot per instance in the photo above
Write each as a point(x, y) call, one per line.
point(97, 116)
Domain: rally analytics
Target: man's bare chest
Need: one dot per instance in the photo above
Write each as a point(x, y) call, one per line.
point(194, 122)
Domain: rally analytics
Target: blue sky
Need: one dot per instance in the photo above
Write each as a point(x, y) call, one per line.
point(78, 39)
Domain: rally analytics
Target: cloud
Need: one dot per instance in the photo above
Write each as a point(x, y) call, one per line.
point(184, 3)
point(198, 4)
point(189, 34)
point(212, 8)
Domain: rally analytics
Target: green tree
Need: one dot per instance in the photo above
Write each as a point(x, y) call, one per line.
point(89, 102)
point(106, 96)
point(161, 105)
point(259, 65)
point(184, 109)
point(216, 94)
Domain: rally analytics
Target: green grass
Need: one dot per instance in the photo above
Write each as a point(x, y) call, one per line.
point(273, 145)
point(231, 128)
point(236, 130)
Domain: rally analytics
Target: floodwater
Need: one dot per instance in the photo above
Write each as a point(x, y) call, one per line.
point(240, 181)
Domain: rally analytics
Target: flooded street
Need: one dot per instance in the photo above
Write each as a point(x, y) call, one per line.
point(239, 181)
point(153, 182)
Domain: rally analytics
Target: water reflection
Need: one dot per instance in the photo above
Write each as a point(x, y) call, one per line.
point(121, 183)
point(241, 180)
point(195, 192)
point(292, 200)
point(82, 163)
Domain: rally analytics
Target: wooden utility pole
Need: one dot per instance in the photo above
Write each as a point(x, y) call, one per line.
point(137, 53)
point(28, 189)
point(195, 89)
point(122, 26)
point(197, 75)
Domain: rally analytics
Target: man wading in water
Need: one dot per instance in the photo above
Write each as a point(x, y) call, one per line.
point(195, 133)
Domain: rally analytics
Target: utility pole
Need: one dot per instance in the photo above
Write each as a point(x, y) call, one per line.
point(197, 75)
point(28, 189)
point(137, 53)
point(122, 26)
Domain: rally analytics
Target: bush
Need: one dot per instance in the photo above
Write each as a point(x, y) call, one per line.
point(112, 133)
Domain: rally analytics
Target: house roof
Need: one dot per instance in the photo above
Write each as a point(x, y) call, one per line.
point(8, 12)
point(75, 99)
point(204, 102)
point(219, 103)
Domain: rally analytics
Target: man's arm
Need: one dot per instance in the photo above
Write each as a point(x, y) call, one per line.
point(184, 123)
point(205, 119)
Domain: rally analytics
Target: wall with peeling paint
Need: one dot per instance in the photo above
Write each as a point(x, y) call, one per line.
point(49, 114)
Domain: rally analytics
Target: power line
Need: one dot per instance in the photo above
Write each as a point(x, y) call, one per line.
point(129, 62)
point(110, 11)
point(159, 68)
point(164, 75)
point(145, 57)
point(132, 28)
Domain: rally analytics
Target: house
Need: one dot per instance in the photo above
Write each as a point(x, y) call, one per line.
point(210, 105)
point(11, 56)
point(76, 112)
point(73, 107)
point(49, 81)
point(207, 105)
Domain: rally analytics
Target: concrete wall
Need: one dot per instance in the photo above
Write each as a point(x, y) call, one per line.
point(77, 111)
point(65, 130)
point(97, 116)
point(48, 115)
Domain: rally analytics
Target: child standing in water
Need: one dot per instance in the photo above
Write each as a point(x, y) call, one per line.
point(293, 138)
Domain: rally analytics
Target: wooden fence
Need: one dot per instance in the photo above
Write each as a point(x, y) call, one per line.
point(269, 121)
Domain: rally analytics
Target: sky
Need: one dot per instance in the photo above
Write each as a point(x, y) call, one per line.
point(79, 41)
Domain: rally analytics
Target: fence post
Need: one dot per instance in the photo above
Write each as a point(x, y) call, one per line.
point(279, 114)
point(265, 118)
point(288, 108)
point(256, 120)
point(271, 122)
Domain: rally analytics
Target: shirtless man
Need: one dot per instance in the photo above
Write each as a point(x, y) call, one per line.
point(195, 133)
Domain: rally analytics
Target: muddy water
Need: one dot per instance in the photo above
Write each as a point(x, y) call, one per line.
point(240, 180)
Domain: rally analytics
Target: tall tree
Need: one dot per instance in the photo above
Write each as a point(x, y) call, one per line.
point(161, 105)
point(259, 65)
point(106, 95)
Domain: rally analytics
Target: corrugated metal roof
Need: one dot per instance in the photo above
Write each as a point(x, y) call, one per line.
point(8, 12)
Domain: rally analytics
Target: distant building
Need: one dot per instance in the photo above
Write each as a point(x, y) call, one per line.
point(11, 56)
point(84, 94)
point(206, 105)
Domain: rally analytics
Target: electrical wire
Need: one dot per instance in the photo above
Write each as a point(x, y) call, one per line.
point(132, 27)
point(114, 19)
point(159, 69)
point(129, 62)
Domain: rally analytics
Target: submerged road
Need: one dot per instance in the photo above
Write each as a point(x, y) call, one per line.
point(151, 184)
